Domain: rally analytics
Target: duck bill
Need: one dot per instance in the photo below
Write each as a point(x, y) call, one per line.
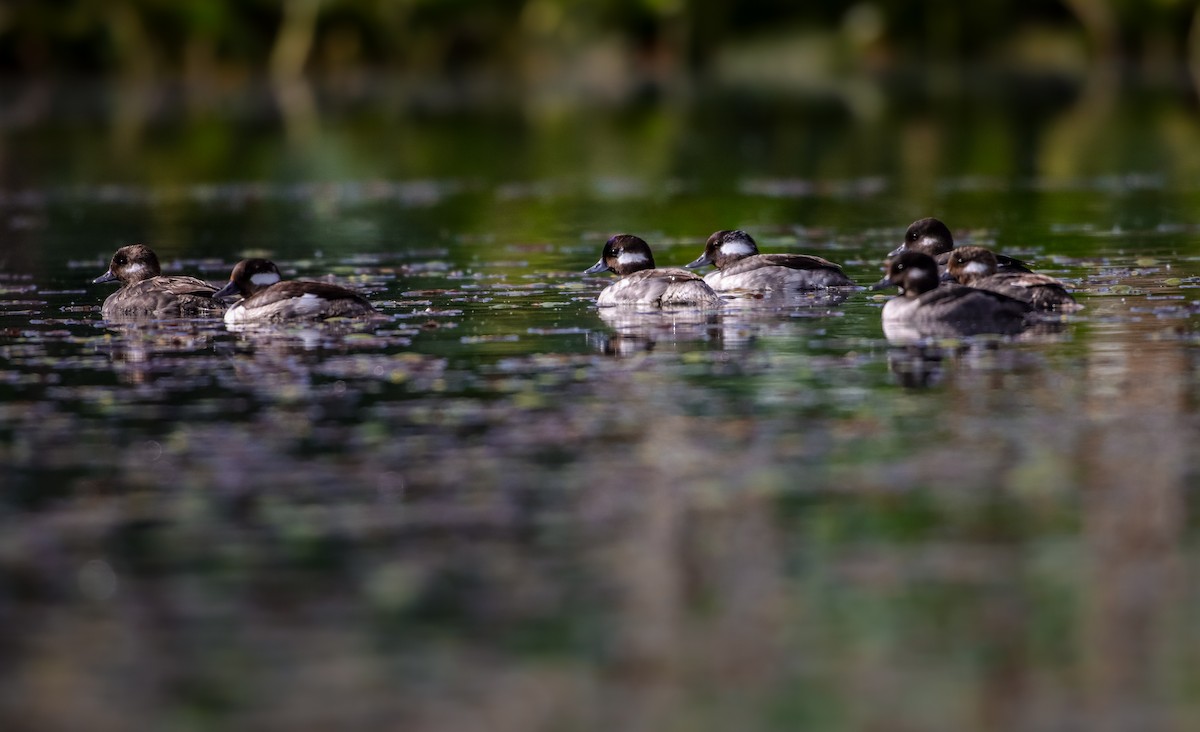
point(700, 261)
point(897, 251)
point(229, 290)
point(947, 277)
point(882, 284)
point(106, 277)
point(596, 268)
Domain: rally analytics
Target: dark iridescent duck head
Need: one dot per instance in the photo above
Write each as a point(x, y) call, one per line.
point(623, 254)
point(724, 248)
point(912, 273)
point(131, 264)
point(248, 277)
point(928, 236)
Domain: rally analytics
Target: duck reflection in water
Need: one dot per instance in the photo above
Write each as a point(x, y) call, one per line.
point(736, 326)
point(918, 365)
point(988, 361)
point(178, 350)
point(645, 329)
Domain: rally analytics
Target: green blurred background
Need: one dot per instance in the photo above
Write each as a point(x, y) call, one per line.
point(534, 120)
point(204, 39)
point(160, 92)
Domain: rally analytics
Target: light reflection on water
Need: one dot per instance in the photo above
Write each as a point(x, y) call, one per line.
point(503, 508)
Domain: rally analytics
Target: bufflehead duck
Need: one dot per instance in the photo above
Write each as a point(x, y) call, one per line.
point(930, 236)
point(949, 309)
point(976, 267)
point(641, 284)
point(266, 298)
point(146, 291)
point(741, 267)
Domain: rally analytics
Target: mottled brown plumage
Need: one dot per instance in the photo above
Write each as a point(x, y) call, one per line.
point(145, 291)
point(977, 267)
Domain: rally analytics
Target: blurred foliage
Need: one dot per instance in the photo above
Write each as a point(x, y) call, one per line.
point(201, 37)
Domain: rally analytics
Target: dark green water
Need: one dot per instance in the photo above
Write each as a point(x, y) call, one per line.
point(503, 509)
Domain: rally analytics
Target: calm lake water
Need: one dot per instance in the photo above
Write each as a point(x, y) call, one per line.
point(502, 509)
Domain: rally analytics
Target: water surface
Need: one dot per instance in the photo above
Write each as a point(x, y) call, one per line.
point(503, 508)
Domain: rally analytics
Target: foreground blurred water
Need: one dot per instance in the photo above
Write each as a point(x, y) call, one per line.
point(504, 509)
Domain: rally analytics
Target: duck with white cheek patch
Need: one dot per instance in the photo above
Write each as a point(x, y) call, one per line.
point(641, 284)
point(927, 309)
point(931, 236)
point(977, 267)
point(267, 298)
point(146, 291)
point(741, 267)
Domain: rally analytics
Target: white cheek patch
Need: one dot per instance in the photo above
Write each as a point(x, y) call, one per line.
point(631, 258)
point(976, 268)
point(135, 269)
point(262, 279)
point(737, 249)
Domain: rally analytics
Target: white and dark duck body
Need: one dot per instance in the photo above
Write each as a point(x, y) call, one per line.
point(629, 257)
point(146, 291)
point(268, 298)
point(931, 236)
point(977, 267)
point(739, 266)
point(928, 307)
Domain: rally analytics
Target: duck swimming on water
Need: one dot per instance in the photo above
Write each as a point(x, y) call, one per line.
point(977, 267)
point(930, 308)
point(741, 267)
point(146, 291)
point(629, 257)
point(268, 298)
point(931, 236)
